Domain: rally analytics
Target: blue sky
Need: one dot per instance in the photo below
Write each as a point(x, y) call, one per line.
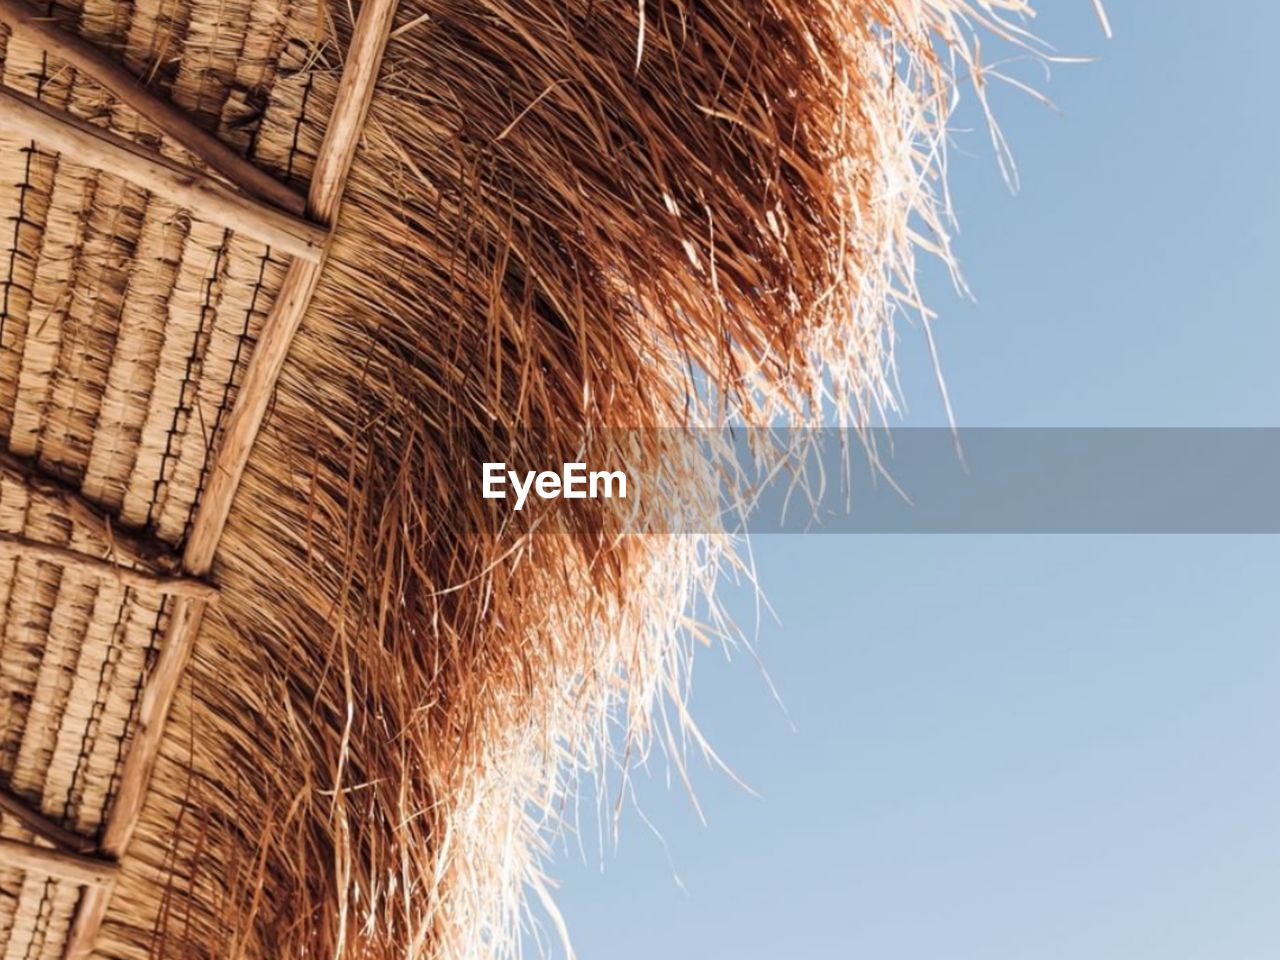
point(1022, 748)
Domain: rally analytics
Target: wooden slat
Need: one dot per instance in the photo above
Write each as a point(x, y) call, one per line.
point(33, 25)
point(355, 93)
point(14, 806)
point(81, 141)
point(58, 864)
point(141, 580)
point(138, 552)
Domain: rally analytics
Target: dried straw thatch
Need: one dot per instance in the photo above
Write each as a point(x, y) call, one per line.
point(561, 216)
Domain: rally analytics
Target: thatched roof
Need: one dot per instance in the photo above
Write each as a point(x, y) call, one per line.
point(560, 217)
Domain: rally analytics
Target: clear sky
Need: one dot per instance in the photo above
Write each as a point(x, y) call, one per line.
point(1022, 748)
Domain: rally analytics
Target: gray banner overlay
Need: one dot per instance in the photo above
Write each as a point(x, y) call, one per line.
point(1005, 481)
point(1081, 480)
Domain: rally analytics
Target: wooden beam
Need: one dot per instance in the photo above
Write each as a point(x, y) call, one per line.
point(12, 545)
point(324, 197)
point(33, 25)
point(81, 141)
point(350, 108)
point(14, 806)
point(58, 864)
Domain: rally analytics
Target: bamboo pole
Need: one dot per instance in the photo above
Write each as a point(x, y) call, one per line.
point(92, 146)
point(31, 24)
point(14, 806)
point(141, 580)
point(58, 864)
point(324, 197)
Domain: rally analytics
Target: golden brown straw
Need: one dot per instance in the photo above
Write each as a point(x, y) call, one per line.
point(560, 219)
